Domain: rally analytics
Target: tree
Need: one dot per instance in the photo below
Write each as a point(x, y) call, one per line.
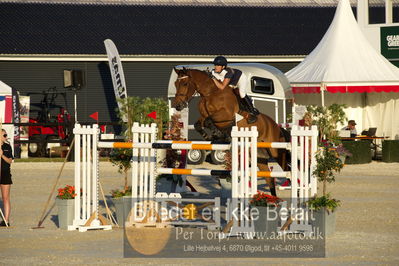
point(327, 155)
point(136, 109)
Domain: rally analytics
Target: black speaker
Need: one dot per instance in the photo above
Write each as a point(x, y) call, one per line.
point(73, 79)
point(78, 79)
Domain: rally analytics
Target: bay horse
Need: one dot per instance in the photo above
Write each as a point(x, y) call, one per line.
point(218, 108)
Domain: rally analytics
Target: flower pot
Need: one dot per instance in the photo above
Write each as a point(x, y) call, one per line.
point(66, 209)
point(323, 221)
point(267, 223)
point(123, 206)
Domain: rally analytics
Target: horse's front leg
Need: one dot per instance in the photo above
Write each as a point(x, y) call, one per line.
point(200, 129)
point(216, 133)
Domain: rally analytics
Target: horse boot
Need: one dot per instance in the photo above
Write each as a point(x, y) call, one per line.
point(253, 112)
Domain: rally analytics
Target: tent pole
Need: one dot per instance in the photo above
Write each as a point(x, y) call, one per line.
point(322, 88)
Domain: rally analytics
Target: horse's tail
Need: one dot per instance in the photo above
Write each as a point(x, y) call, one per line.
point(285, 136)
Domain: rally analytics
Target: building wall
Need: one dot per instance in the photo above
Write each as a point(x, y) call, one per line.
point(372, 19)
point(144, 79)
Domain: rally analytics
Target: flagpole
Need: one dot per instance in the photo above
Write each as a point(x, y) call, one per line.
point(75, 102)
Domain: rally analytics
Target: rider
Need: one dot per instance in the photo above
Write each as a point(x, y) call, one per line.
point(224, 76)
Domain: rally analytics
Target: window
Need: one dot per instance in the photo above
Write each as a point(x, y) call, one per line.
point(262, 85)
point(376, 14)
point(395, 6)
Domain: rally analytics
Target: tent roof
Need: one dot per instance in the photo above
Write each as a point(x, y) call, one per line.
point(344, 61)
point(4, 88)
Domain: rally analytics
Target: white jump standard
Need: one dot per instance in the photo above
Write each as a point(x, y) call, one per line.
point(86, 214)
point(244, 175)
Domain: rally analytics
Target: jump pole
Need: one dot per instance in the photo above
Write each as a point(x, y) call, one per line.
point(148, 187)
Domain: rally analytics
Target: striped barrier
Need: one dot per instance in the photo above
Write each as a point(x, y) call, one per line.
point(209, 172)
point(244, 147)
point(187, 145)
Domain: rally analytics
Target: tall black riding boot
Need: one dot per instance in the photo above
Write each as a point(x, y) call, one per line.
point(247, 102)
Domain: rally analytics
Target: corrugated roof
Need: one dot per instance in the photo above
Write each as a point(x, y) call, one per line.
point(160, 30)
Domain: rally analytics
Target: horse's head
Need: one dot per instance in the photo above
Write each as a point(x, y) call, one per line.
point(185, 89)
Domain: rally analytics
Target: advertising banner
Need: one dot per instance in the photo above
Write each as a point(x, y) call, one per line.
point(118, 77)
point(16, 119)
point(24, 102)
point(390, 44)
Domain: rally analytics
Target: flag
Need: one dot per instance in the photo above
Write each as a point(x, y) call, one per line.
point(238, 118)
point(153, 115)
point(118, 77)
point(94, 116)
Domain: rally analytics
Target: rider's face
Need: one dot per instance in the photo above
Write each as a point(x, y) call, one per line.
point(218, 69)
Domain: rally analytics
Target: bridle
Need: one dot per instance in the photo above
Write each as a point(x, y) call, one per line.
point(184, 77)
point(184, 95)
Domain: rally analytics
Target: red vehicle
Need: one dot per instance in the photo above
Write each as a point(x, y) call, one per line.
point(54, 127)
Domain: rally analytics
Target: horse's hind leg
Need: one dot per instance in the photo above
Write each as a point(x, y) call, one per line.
point(198, 127)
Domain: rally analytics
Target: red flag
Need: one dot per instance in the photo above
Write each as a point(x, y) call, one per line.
point(153, 115)
point(94, 116)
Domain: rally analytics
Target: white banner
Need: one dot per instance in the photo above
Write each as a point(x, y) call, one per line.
point(118, 77)
point(24, 103)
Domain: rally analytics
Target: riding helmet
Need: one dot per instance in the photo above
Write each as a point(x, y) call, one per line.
point(220, 61)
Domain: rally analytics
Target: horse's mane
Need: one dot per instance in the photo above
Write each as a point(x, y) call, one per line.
point(202, 72)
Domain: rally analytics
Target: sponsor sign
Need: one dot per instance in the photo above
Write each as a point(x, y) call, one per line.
point(390, 44)
point(118, 77)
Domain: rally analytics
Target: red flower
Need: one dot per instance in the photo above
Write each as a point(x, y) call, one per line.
point(263, 199)
point(67, 192)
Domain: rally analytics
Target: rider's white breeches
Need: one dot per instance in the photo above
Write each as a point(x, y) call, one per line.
point(242, 85)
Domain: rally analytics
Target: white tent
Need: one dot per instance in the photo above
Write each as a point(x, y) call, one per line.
point(4, 89)
point(345, 68)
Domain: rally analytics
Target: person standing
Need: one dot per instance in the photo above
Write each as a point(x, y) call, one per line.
point(5, 177)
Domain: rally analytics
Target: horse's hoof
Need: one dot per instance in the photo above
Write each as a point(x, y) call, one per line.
point(207, 138)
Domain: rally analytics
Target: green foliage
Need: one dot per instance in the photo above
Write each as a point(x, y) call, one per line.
point(329, 150)
point(121, 158)
point(116, 193)
point(328, 163)
point(326, 119)
point(136, 109)
point(325, 201)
